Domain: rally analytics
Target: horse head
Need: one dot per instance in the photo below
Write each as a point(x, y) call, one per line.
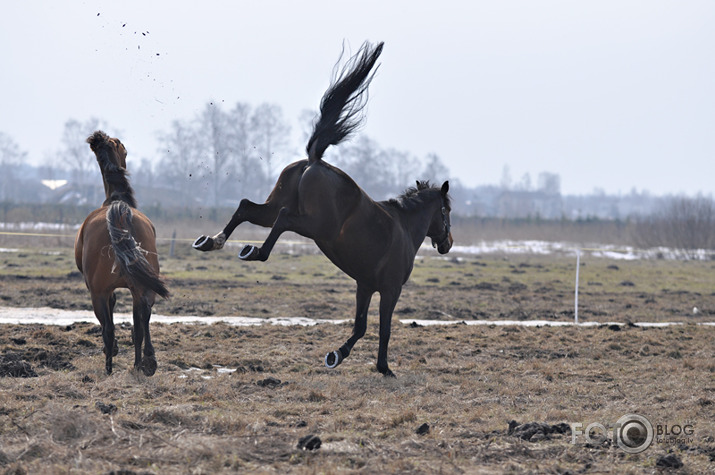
point(440, 228)
point(112, 159)
point(111, 153)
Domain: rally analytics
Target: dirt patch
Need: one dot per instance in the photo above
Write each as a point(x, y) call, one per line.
point(241, 399)
point(14, 366)
point(244, 399)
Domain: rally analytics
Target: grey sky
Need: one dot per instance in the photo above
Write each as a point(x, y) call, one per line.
point(608, 94)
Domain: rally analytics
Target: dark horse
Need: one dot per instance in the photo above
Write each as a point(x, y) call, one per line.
point(116, 248)
point(375, 243)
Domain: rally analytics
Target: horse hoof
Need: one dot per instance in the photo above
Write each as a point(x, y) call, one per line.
point(203, 243)
point(387, 372)
point(249, 253)
point(148, 366)
point(333, 359)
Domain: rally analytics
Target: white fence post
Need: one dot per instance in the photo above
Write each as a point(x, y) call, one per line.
point(575, 303)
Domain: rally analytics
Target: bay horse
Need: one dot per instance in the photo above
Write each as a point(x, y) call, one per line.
point(374, 242)
point(116, 248)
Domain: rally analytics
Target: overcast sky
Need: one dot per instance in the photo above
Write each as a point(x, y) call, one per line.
point(613, 95)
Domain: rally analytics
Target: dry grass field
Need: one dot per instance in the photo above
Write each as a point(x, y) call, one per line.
point(467, 398)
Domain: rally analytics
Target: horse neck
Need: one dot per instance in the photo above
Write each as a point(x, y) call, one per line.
point(108, 189)
point(117, 188)
point(417, 220)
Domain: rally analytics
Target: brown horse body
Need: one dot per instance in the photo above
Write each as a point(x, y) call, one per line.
point(116, 248)
point(375, 243)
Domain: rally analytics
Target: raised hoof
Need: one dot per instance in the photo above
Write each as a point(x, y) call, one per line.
point(333, 359)
point(203, 243)
point(249, 253)
point(148, 365)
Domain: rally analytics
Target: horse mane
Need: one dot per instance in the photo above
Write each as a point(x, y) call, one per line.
point(342, 104)
point(117, 178)
point(415, 196)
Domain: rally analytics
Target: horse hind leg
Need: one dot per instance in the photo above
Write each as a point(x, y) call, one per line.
point(112, 303)
point(363, 297)
point(102, 305)
point(143, 360)
point(306, 226)
point(258, 214)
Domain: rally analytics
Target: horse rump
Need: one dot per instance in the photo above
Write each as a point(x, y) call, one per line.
point(128, 254)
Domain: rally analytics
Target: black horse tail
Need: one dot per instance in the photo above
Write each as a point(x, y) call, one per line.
point(343, 102)
point(128, 254)
point(116, 177)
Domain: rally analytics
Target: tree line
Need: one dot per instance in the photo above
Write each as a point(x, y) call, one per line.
point(219, 156)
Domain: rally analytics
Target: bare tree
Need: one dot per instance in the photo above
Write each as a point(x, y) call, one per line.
point(549, 183)
point(245, 175)
point(505, 181)
point(406, 168)
point(179, 165)
point(306, 119)
point(78, 158)
point(525, 183)
point(10, 157)
point(270, 136)
point(435, 170)
point(684, 224)
point(368, 165)
point(214, 136)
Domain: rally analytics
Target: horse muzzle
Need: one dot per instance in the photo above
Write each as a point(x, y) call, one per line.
point(444, 245)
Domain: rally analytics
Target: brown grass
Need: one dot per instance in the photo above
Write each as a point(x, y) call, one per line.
point(465, 382)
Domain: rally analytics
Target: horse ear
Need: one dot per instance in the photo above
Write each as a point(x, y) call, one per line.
point(445, 187)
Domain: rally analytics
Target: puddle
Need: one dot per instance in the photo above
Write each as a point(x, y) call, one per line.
point(54, 316)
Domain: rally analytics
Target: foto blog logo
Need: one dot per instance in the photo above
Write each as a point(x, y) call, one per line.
point(633, 433)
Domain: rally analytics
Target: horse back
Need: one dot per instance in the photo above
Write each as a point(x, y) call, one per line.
point(328, 196)
point(94, 254)
point(285, 191)
point(358, 235)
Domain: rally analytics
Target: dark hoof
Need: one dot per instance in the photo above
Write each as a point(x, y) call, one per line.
point(148, 365)
point(108, 369)
point(333, 359)
point(203, 243)
point(249, 253)
point(387, 372)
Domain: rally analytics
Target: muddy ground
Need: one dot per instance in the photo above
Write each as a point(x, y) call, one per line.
point(467, 399)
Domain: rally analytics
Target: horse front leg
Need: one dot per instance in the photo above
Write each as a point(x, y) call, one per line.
point(388, 300)
point(261, 215)
point(363, 297)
